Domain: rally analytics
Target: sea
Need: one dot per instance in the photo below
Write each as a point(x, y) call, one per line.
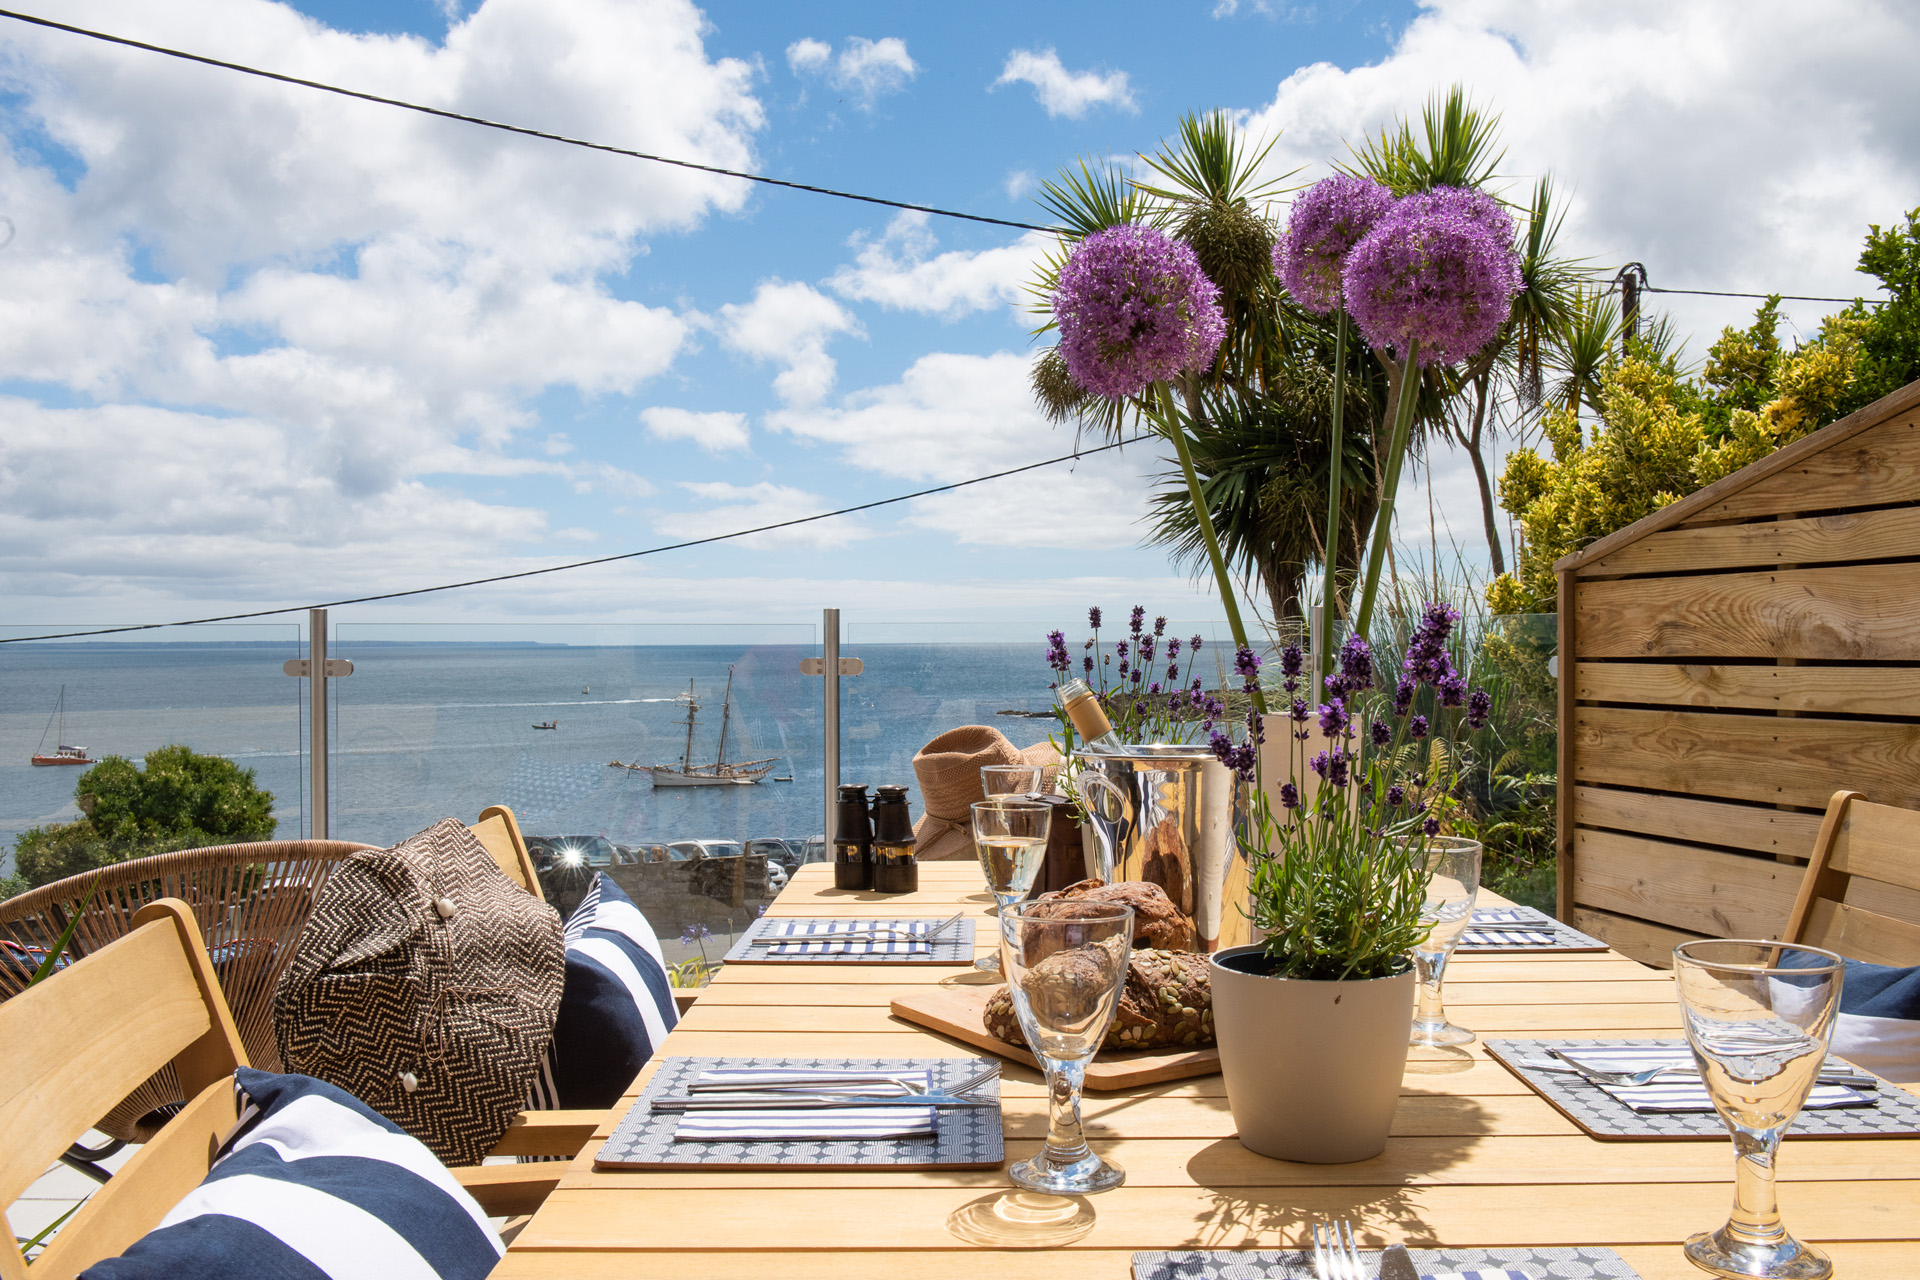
point(426, 730)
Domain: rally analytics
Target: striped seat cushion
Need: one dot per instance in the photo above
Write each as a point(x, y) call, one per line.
point(1878, 1025)
point(314, 1183)
point(616, 1008)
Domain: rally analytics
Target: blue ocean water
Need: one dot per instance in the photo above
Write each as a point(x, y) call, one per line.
point(423, 731)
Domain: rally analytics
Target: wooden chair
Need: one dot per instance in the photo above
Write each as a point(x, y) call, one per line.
point(1861, 894)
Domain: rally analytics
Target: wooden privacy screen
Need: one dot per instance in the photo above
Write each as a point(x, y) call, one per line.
point(1728, 663)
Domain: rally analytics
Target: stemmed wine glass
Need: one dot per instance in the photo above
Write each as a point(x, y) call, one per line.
point(1454, 884)
point(1758, 1017)
point(1010, 839)
point(1065, 963)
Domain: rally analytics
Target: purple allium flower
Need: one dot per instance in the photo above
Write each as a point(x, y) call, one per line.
point(1396, 795)
point(1333, 718)
point(1417, 728)
point(1299, 711)
point(1403, 696)
point(1479, 708)
point(1291, 659)
point(1431, 826)
point(1438, 268)
point(1327, 220)
point(1382, 733)
point(1057, 656)
point(1289, 796)
point(1135, 308)
point(1093, 617)
point(1139, 617)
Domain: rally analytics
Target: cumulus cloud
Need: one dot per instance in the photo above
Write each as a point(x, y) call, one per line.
point(953, 416)
point(789, 324)
point(737, 506)
point(1726, 144)
point(1062, 92)
point(867, 69)
point(896, 271)
point(714, 432)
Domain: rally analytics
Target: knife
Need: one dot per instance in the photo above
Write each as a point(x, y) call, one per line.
point(789, 1102)
point(1397, 1264)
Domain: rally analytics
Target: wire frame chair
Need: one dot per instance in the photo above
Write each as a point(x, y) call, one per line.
point(251, 902)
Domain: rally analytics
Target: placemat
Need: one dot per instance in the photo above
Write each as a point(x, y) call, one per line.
point(954, 946)
point(1491, 920)
point(1595, 1261)
point(968, 1137)
point(1894, 1114)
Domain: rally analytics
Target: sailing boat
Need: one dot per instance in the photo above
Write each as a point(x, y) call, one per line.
point(62, 753)
point(720, 773)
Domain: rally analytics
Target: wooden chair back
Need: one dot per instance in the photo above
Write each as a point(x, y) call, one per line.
point(499, 831)
point(1861, 894)
point(78, 1042)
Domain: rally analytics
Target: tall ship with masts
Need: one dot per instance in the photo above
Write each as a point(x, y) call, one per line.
point(722, 772)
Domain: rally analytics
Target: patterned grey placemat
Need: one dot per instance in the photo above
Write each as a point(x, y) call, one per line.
point(1895, 1113)
point(1584, 1262)
point(1565, 936)
point(968, 1136)
point(955, 946)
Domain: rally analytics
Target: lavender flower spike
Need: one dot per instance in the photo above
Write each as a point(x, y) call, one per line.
point(1326, 222)
point(1135, 308)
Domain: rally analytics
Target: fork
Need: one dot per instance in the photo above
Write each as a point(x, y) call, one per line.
point(1593, 1075)
point(1334, 1255)
point(864, 935)
point(908, 1088)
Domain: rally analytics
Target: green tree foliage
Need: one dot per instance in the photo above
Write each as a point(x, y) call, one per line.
point(180, 800)
point(1662, 436)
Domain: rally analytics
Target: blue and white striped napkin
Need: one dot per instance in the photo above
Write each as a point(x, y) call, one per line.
point(1478, 1273)
point(1505, 927)
point(817, 938)
point(1672, 1095)
point(838, 1123)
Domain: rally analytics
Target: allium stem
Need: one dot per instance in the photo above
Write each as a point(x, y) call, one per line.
point(1383, 522)
point(1169, 420)
point(1323, 661)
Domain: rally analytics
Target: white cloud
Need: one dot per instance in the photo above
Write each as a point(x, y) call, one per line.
point(1063, 92)
point(808, 54)
point(1726, 144)
point(789, 324)
point(1019, 182)
point(867, 69)
point(952, 417)
point(895, 271)
point(753, 505)
point(714, 432)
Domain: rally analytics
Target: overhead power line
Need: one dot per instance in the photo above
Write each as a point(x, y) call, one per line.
point(522, 130)
point(583, 564)
point(1788, 297)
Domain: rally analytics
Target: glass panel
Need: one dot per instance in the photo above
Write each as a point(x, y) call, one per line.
point(1512, 791)
point(217, 690)
point(563, 724)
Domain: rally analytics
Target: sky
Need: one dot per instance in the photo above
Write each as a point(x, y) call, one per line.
point(262, 346)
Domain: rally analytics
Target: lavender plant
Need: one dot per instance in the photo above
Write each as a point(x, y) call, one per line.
point(1146, 681)
point(1339, 878)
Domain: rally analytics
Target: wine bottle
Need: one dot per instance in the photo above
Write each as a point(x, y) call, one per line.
point(1089, 718)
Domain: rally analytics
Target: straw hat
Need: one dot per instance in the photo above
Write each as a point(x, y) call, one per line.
point(948, 769)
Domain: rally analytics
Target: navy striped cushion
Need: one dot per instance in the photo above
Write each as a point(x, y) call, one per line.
point(1879, 1023)
point(617, 1006)
point(313, 1183)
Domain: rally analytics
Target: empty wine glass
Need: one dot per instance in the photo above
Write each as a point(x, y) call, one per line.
point(1025, 780)
point(1010, 839)
point(1758, 1020)
point(1454, 867)
point(1065, 963)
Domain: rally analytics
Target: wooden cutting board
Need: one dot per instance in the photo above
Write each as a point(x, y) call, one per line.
point(960, 1011)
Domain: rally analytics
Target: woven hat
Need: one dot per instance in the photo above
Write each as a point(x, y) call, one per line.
point(948, 769)
point(425, 984)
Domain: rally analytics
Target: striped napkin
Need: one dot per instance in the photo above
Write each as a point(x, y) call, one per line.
point(1478, 1273)
point(1672, 1095)
point(1505, 927)
point(816, 938)
point(839, 1123)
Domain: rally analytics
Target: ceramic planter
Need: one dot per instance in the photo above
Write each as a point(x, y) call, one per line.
point(1313, 1069)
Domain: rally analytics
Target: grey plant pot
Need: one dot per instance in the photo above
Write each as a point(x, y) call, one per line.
point(1313, 1069)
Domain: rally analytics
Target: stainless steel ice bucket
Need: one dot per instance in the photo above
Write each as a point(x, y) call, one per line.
point(1166, 813)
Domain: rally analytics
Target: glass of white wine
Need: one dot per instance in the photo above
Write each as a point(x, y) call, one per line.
point(1010, 839)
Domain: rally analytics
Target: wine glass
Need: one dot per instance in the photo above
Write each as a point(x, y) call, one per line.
point(1453, 866)
point(1010, 839)
point(1025, 780)
point(1758, 1020)
point(1065, 963)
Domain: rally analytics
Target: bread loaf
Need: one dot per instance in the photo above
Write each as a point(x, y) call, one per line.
point(1167, 1002)
point(1157, 923)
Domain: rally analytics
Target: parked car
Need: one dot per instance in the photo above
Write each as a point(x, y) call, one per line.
point(685, 850)
point(776, 877)
point(571, 851)
point(813, 849)
point(785, 852)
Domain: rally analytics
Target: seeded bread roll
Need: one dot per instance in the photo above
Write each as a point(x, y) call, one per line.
point(1167, 1002)
point(1157, 922)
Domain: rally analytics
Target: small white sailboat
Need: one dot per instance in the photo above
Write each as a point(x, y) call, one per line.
point(62, 753)
point(722, 772)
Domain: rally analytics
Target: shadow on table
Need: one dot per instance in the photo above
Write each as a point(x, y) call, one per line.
point(1022, 1220)
point(1261, 1202)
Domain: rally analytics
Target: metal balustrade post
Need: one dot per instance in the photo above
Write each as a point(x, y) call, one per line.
point(316, 669)
point(830, 725)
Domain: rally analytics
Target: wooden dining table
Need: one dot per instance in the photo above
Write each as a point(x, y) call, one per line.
point(1476, 1158)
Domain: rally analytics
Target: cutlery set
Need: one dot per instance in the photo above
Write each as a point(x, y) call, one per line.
point(824, 1093)
point(859, 935)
